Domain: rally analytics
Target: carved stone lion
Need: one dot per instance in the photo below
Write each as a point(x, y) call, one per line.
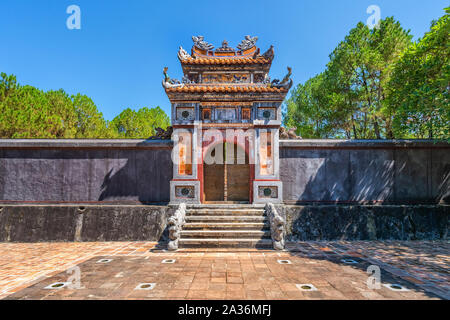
point(289, 134)
point(292, 133)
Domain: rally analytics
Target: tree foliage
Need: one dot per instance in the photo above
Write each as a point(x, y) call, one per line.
point(419, 88)
point(27, 112)
point(139, 124)
point(377, 85)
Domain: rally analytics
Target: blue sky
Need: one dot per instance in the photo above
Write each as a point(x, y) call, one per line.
point(118, 55)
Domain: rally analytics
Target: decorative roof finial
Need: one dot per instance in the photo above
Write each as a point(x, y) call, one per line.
point(247, 43)
point(201, 44)
point(225, 47)
point(170, 83)
point(269, 54)
point(286, 83)
point(182, 54)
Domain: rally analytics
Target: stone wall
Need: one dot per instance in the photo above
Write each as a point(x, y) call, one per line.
point(139, 171)
point(384, 222)
point(48, 223)
point(339, 171)
point(83, 171)
point(334, 184)
point(61, 223)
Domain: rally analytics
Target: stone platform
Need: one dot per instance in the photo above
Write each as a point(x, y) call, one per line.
point(335, 270)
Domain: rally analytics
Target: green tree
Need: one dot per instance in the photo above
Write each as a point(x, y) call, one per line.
point(27, 112)
point(139, 124)
point(311, 110)
point(419, 88)
point(348, 98)
point(90, 123)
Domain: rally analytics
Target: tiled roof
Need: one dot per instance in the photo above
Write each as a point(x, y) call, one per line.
point(226, 60)
point(225, 88)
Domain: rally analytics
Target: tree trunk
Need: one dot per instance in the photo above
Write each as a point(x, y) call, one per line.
point(376, 127)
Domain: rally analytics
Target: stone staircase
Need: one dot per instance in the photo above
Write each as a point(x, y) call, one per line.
point(226, 226)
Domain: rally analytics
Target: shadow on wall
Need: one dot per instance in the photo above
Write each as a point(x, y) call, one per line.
point(355, 177)
point(144, 177)
point(365, 175)
point(125, 172)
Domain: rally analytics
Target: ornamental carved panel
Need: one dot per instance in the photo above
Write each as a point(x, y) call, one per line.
point(268, 192)
point(185, 114)
point(226, 78)
point(267, 113)
point(225, 114)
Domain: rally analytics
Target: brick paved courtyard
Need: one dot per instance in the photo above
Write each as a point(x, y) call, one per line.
point(336, 270)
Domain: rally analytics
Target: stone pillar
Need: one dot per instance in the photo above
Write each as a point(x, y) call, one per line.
point(267, 187)
point(185, 185)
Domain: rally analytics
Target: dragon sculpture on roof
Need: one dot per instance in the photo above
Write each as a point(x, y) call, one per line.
point(247, 43)
point(170, 83)
point(201, 44)
point(285, 83)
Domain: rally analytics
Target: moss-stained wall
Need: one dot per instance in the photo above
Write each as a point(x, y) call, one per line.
point(139, 171)
point(45, 223)
point(73, 171)
point(387, 222)
point(336, 171)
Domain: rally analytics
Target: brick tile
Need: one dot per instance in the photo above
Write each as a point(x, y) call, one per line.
point(217, 286)
point(177, 293)
point(196, 294)
point(215, 294)
point(240, 273)
point(234, 280)
point(255, 295)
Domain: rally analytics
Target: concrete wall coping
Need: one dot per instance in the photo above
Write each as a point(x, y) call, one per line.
point(84, 143)
point(358, 144)
point(141, 143)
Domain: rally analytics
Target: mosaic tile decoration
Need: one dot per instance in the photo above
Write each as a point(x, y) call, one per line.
point(185, 192)
point(268, 192)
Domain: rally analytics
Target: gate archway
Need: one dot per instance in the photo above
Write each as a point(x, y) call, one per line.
point(228, 179)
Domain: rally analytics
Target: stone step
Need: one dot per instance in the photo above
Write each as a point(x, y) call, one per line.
point(225, 206)
point(225, 234)
point(227, 219)
point(226, 226)
point(224, 212)
point(225, 243)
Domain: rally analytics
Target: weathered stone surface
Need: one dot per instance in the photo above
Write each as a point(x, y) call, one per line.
point(149, 223)
point(37, 223)
point(124, 223)
point(139, 173)
point(337, 222)
point(90, 223)
point(362, 172)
